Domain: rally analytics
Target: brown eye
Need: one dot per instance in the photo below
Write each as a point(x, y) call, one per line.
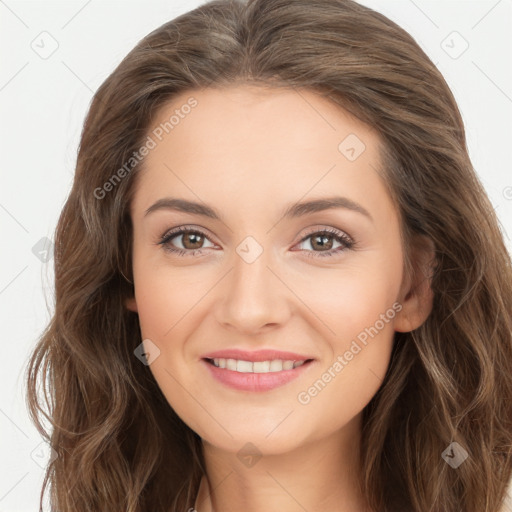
point(321, 243)
point(192, 240)
point(184, 241)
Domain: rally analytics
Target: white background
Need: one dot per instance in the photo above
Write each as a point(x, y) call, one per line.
point(43, 102)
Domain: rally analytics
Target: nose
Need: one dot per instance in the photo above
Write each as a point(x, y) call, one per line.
point(253, 297)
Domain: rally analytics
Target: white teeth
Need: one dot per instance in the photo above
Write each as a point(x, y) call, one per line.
point(261, 366)
point(287, 365)
point(244, 366)
point(275, 365)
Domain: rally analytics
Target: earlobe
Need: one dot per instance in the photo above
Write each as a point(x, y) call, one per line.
point(131, 304)
point(417, 298)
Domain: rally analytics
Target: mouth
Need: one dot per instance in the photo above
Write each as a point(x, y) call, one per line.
point(255, 376)
point(268, 366)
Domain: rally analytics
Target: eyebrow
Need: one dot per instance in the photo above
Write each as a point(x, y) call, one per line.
point(293, 211)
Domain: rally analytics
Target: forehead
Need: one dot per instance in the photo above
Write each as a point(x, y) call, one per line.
point(253, 116)
point(255, 144)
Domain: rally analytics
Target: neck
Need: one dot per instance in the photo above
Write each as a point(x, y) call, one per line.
point(317, 476)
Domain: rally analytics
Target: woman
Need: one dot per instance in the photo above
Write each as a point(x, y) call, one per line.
point(279, 281)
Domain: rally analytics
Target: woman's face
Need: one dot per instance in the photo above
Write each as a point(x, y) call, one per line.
point(262, 270)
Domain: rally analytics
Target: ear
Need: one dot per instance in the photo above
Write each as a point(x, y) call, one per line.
point(416, 295)
point(131, 304)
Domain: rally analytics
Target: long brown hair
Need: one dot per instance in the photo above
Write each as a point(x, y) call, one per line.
point(120, 445)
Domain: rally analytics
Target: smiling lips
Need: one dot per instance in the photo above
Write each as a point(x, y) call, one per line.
point(261, 370)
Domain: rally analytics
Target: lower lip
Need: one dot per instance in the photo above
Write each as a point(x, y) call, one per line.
point(255, 381)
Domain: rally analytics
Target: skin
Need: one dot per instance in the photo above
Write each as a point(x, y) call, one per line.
point(250, 152)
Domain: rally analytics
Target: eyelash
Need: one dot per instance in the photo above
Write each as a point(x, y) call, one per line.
point(339, 236)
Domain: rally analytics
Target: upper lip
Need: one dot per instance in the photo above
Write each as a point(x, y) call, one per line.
point(256, 355)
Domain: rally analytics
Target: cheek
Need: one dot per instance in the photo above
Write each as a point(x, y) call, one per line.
point(343, 388)
point(360, 338)
point(358, 305)
point(165, 294)
point(155, 304)
point(351, 298)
